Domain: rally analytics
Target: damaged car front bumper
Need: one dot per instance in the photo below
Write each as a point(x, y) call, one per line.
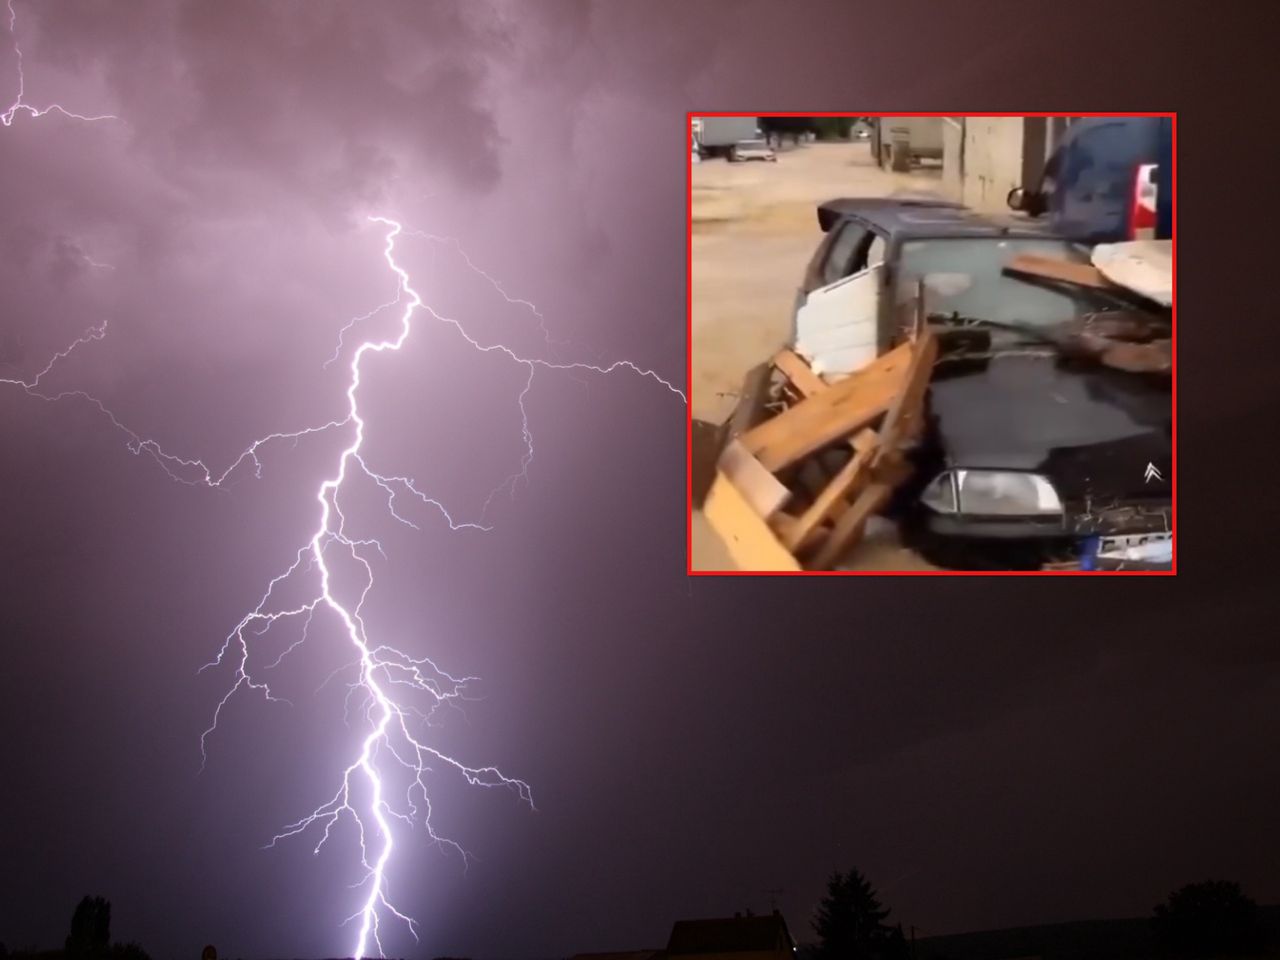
point(1127, 536)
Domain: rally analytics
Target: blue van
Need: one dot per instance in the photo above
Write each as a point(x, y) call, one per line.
point(1107, 181)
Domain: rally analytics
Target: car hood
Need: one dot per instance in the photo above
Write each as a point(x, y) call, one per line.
point(1090, 429)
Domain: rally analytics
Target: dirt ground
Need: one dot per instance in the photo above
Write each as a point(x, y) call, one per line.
point(755, 227)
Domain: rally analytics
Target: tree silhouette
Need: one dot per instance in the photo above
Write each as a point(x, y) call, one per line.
point(128, 951)
point(1213, 918)
point(90, 934)
point(850, 922)
point(826, 128)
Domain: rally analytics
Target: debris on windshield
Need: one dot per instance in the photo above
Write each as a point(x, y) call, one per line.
point(1143, 266)
point(1132, 340)
point(1128, 340)
point(1063, 271)
point(1120, 270)
point(1155, 356)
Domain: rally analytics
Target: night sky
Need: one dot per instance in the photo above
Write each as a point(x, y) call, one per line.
point(989, 752)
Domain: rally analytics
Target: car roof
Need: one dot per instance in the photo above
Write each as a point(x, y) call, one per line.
point(905, 217)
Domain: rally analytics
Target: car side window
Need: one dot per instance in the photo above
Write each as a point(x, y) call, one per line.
point(875, 253)
point(844, 251)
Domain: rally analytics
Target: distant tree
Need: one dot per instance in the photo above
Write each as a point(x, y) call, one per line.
point(833, 128)
point(90, 934)
point(850, 922)
point(790, 127)
point(1213, 918)
point(825, 128)
point(128, 951)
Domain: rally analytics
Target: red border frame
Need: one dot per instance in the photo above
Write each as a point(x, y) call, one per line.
point(1173, 184)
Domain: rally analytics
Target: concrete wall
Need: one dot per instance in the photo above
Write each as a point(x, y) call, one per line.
point(993, 161)
point(953, 158)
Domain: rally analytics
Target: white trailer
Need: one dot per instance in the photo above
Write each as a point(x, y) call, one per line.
point(900, 142)
point(717, 134)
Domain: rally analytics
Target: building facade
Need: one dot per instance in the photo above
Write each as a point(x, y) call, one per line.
point(986, 157)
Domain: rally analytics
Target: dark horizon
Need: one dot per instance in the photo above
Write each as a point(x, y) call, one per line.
point(1094, 937)
point(991, 753)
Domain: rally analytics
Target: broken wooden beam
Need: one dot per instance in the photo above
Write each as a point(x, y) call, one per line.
point(748, 538)
point(757, 485)
point(907, 408)
point(1063, 271)
point(837, 411)
point(799, 373)
point(832, 501)
point(875, 496)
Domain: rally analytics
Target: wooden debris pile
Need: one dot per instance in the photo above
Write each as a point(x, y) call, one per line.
point(808, 461)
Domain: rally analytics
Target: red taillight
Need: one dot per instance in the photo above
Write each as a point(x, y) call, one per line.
point(1142, 213)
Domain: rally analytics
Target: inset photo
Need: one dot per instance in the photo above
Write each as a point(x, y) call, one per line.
point(932, 344)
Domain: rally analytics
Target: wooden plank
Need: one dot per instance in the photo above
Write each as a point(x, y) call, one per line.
point(750, 542)
point(1049, 268)
point(799, 373)
point(781, 523)
point(848, 529)
point(786, 439)
point(908, 404)
point(807, 383)
point(826, 504)
point(842, 409)
point(757, 485)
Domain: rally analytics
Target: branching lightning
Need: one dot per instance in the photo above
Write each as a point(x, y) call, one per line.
point(384, 674)
point(392, 687)
point(19, 104)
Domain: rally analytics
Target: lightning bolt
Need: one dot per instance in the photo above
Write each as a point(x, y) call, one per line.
point(392, 731)
point(392, 686)
point(19, 104)
point(385, 677)
point(392, 737)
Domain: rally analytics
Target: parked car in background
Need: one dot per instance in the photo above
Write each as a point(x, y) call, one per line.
point(1033, 452)
point(745, 150)
point(1102, 182)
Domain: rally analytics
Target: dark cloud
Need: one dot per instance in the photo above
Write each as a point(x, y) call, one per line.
point(312, 98)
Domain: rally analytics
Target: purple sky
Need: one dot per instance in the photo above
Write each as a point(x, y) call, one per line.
point(984, 758)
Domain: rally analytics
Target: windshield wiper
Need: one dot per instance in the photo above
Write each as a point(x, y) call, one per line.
point(1145, 354)
point(957, 320)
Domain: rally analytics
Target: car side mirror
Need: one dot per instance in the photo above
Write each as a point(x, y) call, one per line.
point(1017, 199)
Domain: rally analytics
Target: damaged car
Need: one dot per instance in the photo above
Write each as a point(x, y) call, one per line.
point(1048, 439)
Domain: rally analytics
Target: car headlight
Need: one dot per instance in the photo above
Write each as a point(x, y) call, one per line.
point(992, 493)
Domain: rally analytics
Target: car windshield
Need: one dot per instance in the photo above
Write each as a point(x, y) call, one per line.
point(964, 276)
point(752, 145)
